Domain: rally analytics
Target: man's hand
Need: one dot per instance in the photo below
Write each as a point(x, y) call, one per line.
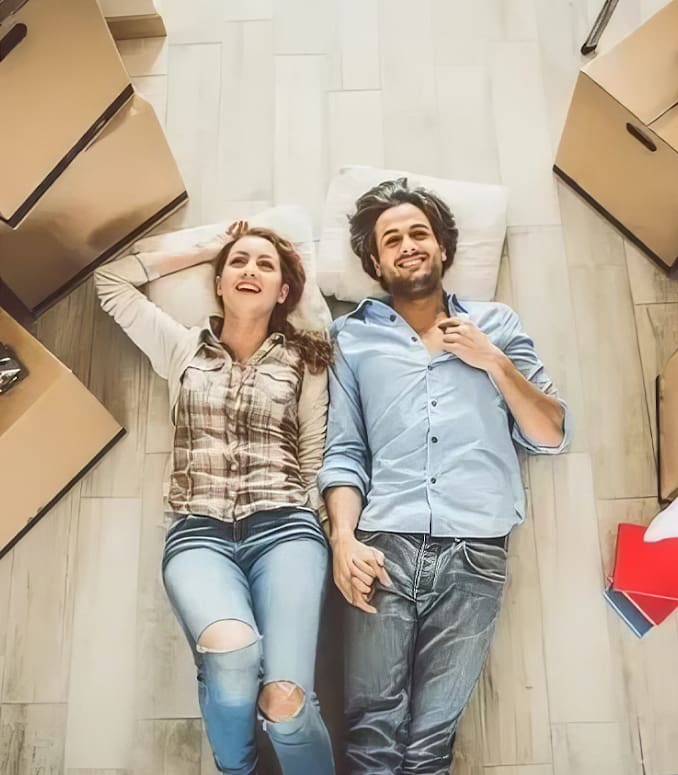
point(356, 567)
point(463, 338)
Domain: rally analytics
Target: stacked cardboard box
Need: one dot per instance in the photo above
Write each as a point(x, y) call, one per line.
point(619, 147)
point(87, 168)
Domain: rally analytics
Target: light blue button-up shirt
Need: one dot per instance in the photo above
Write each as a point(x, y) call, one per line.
point(428, 440)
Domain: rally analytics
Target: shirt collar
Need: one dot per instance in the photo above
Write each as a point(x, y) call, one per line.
point(383, 306)
point(211, 330)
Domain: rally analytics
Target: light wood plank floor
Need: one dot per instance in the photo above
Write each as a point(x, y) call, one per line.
point(263, 100)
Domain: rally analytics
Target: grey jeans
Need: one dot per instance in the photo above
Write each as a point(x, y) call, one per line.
point(411, 667)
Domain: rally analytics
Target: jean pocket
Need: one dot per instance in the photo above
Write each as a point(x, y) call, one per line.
point(486, 560)
point(175, 526)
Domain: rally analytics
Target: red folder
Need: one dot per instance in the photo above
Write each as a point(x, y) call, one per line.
point(645, 568)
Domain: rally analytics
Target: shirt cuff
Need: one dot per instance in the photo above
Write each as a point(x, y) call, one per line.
point(542, 449)
point(341, 477)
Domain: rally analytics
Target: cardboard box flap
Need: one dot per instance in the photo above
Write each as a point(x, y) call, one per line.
point(60, 83)
point(641, 71)
point(8, 7)
point(666, 126)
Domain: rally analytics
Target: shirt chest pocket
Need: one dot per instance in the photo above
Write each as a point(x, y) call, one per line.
point(276, 385)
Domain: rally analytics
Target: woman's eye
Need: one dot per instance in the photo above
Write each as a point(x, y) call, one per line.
point(237, 261)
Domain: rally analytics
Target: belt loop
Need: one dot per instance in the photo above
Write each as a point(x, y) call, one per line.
point(236, 530)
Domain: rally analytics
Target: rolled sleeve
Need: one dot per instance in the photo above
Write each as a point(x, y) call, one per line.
point(312, 423)
point(346, 452)
point(540, 449)
point(520, 348)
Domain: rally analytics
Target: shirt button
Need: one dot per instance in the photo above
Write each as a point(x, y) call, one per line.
point(392, 318)
point(414, 339)
point(433, 480)
point(434, 439)
point(434, 402)
point(429, 367)
point(234, 466)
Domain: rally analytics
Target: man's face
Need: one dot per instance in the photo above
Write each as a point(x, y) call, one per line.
point(410, 260)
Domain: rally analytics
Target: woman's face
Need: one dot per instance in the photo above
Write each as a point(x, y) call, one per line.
point(251, 280)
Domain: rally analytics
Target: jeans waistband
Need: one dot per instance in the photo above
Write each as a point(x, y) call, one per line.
point(240, 529)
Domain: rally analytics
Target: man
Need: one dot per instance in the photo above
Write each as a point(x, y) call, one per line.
point(422, 481)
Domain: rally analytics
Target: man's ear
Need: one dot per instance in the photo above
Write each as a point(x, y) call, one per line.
point(444, 254)
point(375, 263)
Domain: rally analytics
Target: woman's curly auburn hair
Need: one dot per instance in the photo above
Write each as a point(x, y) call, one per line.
point(314, 349)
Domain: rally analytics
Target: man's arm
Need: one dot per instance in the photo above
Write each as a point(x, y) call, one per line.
point(542, 420)
point(344, 481)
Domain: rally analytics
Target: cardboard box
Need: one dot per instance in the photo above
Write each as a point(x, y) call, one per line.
point(133, 19)
point(52, 431)
point(119, 187)
point(667, 430)
point(619, 147)
point(61, 81)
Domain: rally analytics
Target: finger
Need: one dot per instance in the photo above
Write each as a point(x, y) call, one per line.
point(452, 322)
point(363, 571)
point(377, 564)
point(360, 586)
point(384, 578)
point(360, 602)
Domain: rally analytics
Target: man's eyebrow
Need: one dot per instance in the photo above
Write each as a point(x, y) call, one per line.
point(413, 226)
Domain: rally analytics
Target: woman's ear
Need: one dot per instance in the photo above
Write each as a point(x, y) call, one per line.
point(284, 291)
point(218, 286)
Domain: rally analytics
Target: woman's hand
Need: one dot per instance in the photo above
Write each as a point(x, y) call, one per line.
point(237, 229)
point(356, 567)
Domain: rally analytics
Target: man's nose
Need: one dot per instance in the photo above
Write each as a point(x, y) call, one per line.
point(407, 245)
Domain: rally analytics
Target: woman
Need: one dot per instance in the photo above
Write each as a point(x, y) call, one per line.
point(245, 561)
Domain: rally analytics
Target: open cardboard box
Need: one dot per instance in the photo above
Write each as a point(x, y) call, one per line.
point(133, 18)
point(61, 81)
point(619, 147)
point(52, 431)
point(119, 187)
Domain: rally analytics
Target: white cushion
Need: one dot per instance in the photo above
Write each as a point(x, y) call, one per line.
point(664, 525)
point(189, 296)
point(480, 213)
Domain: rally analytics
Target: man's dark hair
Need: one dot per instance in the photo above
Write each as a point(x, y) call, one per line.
point(392, 193)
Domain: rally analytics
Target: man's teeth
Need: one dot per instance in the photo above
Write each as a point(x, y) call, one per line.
point(410, 262)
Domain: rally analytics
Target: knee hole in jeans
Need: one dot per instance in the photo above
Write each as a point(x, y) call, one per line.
point(224, 636)
point(281, 700)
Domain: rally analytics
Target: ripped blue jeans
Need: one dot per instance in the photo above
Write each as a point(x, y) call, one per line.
point(270, 575)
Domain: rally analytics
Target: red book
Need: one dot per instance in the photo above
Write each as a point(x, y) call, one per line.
point(654, 609)
point(645, 568)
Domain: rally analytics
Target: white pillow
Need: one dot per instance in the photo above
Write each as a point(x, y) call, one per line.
point(189, 296)
point(664, 525)
point(480, 213)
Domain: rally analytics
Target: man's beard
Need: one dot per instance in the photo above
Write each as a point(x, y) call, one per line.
point(417, 287)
